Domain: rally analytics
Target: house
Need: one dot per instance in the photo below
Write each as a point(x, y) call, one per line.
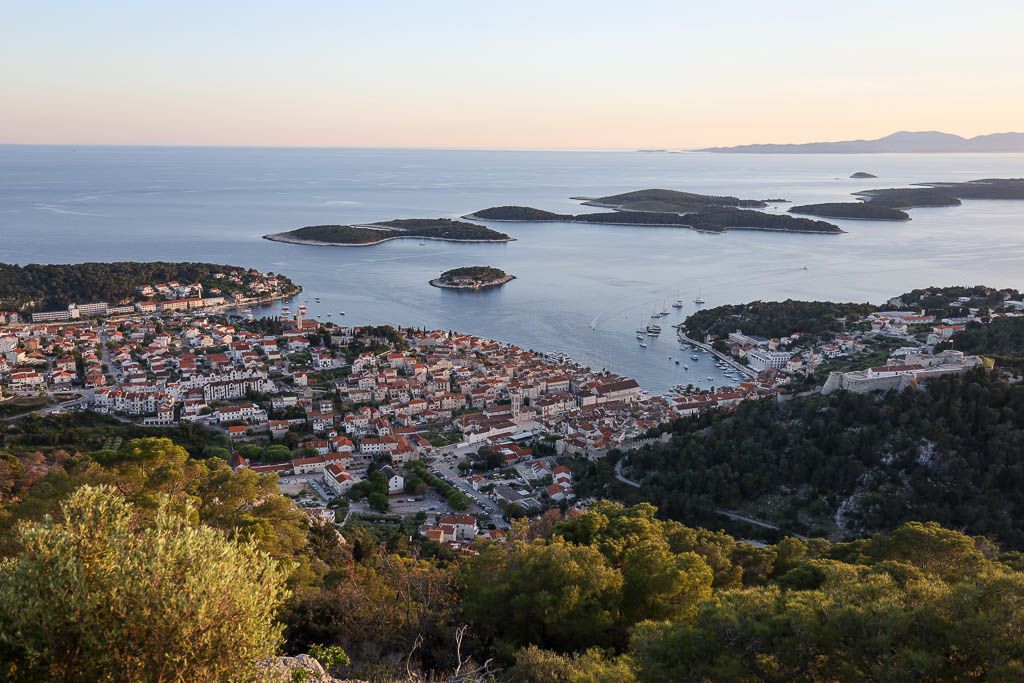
point(338, 479)
point(396, 482)
point(465, 526)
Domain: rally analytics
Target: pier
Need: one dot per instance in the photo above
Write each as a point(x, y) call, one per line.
point(746, 370)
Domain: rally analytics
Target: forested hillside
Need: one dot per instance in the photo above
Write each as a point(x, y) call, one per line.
point(57, 285)
point(848, 464)
point(175, 547)
point(775, 318)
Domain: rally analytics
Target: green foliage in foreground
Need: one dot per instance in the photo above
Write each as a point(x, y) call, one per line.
point(180, 574)
point(102, 596)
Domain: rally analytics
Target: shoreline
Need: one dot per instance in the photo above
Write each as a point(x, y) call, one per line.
point(847, 218)
point(283, 237)
point(436, 282)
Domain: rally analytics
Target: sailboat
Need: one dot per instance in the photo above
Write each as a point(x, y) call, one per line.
point(653, 328)
point(664, 309)
point(698, 299)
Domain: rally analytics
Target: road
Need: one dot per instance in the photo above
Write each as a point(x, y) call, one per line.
point(756, 522)
point(621, 477)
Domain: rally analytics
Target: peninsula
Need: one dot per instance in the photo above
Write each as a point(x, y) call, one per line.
point(369, 234)
point(472, 277)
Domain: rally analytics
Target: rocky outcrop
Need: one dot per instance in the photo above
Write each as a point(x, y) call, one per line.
point(286, 670)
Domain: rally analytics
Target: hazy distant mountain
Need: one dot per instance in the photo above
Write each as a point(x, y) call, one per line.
point(904, 141)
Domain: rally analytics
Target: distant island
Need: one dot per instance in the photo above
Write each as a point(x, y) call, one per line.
point(863, 174)
point(472, 277)
point(518, 213)
point(375, 233)
point(650, 208)
point(920, 142)
point(889, 204)
point(869, 211)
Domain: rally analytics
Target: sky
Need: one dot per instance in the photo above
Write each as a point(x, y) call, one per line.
point(505, 75)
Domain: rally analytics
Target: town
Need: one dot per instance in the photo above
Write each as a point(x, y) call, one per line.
point(454, 431)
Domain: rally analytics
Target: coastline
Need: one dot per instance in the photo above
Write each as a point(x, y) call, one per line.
point(846, 218)
point(436, 282)
point(283, 237)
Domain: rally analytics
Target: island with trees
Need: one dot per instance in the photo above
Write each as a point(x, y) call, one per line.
point(716, 220)
point(370, 234)
point(863, 174)
point(518, 214)
point(472, 277)
point(865, 211)
point(671, 201)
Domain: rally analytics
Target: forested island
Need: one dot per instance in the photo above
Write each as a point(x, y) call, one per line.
point(472, 277)
point(518, 213)
point(863, 174)
point(708, 220)
point(375, 233)
point(46, 286)
point(672, 201)
point(869, 211)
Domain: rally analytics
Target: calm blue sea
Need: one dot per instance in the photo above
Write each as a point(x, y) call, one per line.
point(580, 290)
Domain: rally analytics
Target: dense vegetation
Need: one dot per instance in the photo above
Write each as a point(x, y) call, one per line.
point(712, 220)
point(518, 213)
point(56, 286)
point(441, 228)
point(673, 201)
point(113, 592)
point(1003, 339)
point(145, 585)
point(723, 219)
point(858, 210)
point(946, 302)
point(481, 275)
point(952, 452)
point(775, 318)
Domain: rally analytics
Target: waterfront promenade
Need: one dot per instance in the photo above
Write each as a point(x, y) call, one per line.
point(746, 370)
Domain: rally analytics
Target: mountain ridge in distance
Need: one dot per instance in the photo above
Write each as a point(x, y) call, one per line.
point(920, 142)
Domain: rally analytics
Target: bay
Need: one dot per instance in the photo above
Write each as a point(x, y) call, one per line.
point(582, 290)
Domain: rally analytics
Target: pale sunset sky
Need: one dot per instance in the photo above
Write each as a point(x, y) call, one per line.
point(520, 75)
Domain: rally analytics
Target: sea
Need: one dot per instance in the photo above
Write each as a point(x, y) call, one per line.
point(581, 290)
